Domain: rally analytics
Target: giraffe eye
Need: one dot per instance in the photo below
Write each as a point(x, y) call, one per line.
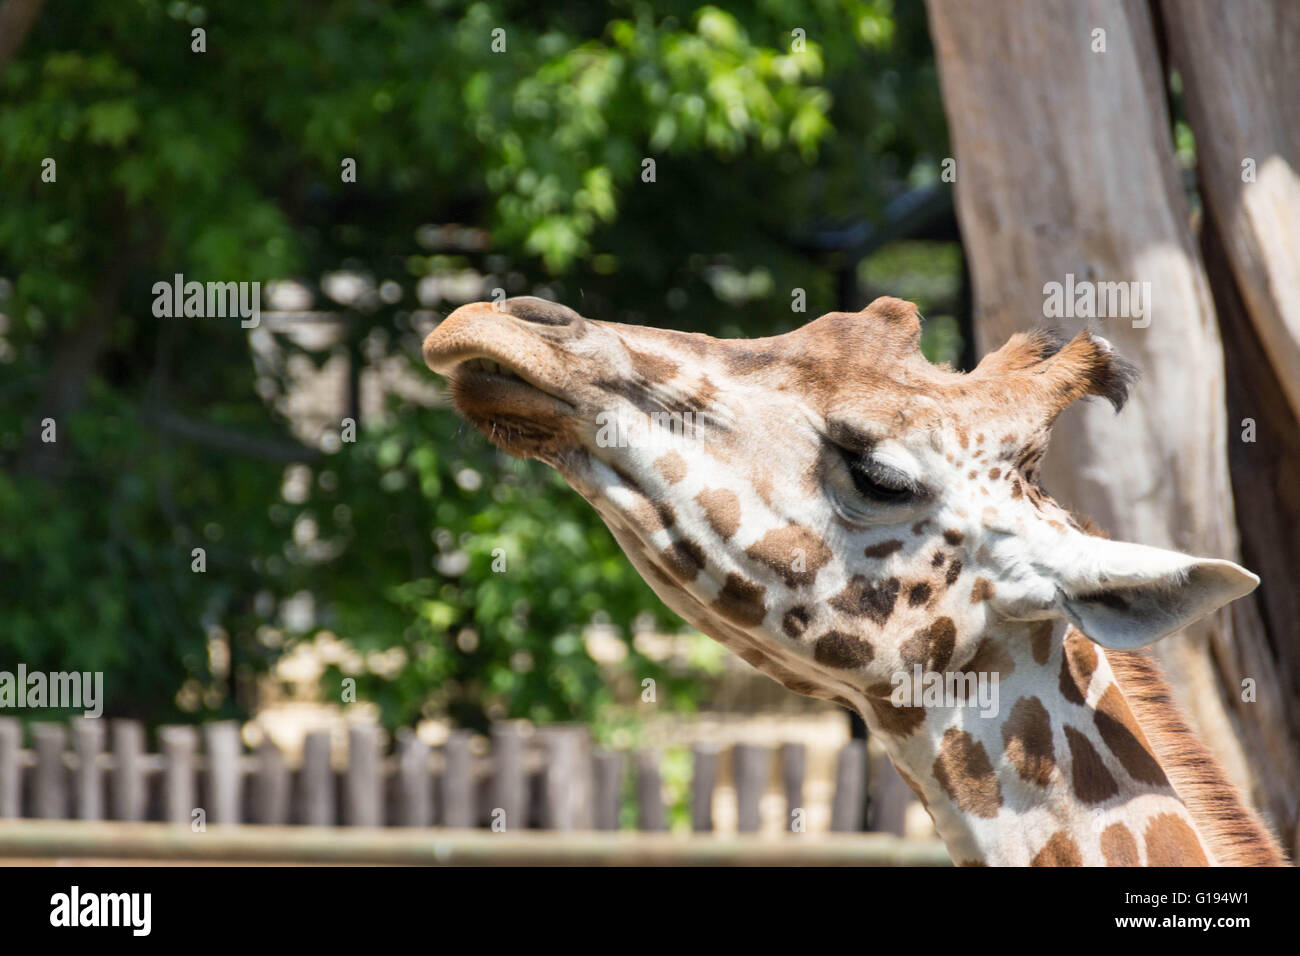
point(877, 481)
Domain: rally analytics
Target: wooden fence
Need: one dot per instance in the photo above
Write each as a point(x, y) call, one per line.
point(549, 778)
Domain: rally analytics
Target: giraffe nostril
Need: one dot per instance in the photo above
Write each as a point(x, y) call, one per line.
point(532, 309)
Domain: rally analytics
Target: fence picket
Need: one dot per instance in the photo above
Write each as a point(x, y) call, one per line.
point(317, 787)
point(128, 791)
point(751, 767)
point(269, 789)
point(224, 777)
point(414, 783)
point(363, 785)
point(88, 742)
point(607, 789)
point(847, 809)
point(794, 763)
point(704, 778)
point(457, 782)
point(50, 786)
point(649, 788)
point(11, 740)
point(179, 744)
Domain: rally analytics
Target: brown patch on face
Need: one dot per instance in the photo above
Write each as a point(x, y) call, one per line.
point(1121, 733)
point(972, 474)
point(1118, 846)
point(919, 594)
point(795, 552)
point(741, 600)
point(954, 572)
point(953, 537)
point(930, 647)
point(963, 770)
point(672, 466)
point(653, 368)
point(982, 590)
point(995, 474)
point(1059, 851)
point(863, 597)
point(963, 438)
point(972, 863)
point(1016, 490)
point(920, 526)
point(684, 559)
point(884, 549)
point(842, 651)
point(898, 721)
point(721, 510)
point(1092, 781)
point(990, 658)
point(1077, 664)
point(938, 560)
point(1171, 842)
point(650, 517)
point(763, 486)
point(1040, 641)
point(1027, 739)
point(795, 621)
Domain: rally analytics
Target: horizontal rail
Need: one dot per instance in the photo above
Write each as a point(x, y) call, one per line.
point(177, 843)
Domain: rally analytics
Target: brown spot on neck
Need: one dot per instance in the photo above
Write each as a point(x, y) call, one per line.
point(1060, 850)
point(1118, 846)
point(842, 651)
point(931, 647)
point(1027, 738)
point(1171, 842)
point(1077, 665)
point(1121, 733)
point(964, 772)
point(1092, 781)
point(1040, 641)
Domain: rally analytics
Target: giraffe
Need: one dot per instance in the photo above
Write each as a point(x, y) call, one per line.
point(839, 512)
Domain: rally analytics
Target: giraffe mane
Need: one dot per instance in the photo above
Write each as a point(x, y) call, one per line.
point(1233, 833)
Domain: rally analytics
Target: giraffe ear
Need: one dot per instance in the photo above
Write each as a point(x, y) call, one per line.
point(1125, 596)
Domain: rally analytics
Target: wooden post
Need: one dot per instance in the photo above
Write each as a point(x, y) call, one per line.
point(751, 767)
point(179, 744)
point(363, 785)
point(88, 742)
point(703, 779)
point(129, 794)
point(269, 791)
point(847, 810)
point(50, 794)
point(567, 780)
point(794, 762)
point(316, 784)
point(414, 783)
point(457, 782)
point(649, 790)
point(509, 786)
point(607, 788)
point(11, 739)
point(225, 780)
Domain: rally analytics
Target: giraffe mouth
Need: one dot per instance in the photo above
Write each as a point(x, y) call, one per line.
point(515, 411)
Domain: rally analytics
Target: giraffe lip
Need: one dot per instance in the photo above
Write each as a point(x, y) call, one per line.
point(488, 377)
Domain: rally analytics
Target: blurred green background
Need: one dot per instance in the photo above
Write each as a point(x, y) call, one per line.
point(796, 145)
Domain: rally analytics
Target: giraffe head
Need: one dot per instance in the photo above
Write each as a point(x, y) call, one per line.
point(826, 503)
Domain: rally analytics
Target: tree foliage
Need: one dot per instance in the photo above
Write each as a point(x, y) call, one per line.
point(224, 165)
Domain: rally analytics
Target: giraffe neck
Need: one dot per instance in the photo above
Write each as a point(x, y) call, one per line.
point(1061, 774)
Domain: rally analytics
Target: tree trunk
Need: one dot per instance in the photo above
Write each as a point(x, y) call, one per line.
point(1065, 167)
